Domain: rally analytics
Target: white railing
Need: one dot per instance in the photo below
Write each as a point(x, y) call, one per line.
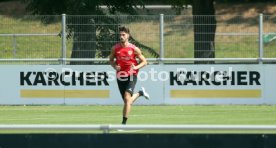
point(61, 60)
point(109, 128)
point(30, 34)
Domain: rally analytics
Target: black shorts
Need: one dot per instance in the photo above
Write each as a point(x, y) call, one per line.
point(127, 84)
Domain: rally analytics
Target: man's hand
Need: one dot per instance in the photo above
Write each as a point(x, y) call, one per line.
point(117, 67)
point(133, 67)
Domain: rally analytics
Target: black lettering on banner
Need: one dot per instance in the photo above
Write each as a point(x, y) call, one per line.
point(90, 76)
point(102, 77)
point(25, 78)
point(66, 78)
point(39, 79)
point(81, 78)
point(254, 76)
point(241, 77)
point(233, 78)
point(204, 77)
point(214, 78)
point(174, 78)
point(62, 78)
point(53, 77)
point(190, 78)
point(225, 78)
point(73, 79)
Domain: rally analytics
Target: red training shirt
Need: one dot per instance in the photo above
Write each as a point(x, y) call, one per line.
point(125, 56)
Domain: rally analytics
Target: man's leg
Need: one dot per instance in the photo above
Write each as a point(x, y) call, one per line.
point(128, 100)
point(135, 97)
point(127, 106)
point(129, 97)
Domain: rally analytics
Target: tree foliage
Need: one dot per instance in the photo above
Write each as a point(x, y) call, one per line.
point(203, 19)
point(85, 37)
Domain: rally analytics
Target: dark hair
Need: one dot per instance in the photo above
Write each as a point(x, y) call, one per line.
point(124, 29)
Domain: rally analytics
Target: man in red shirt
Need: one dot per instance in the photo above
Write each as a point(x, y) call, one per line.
point(127, 68)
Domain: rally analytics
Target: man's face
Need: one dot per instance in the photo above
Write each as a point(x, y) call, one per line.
point(123, 36)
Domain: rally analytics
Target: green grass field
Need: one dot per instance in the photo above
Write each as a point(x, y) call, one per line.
point(188, 115)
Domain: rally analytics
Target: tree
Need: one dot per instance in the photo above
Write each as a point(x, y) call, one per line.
point(204, 29)
point(204, 26)
point(85, 37)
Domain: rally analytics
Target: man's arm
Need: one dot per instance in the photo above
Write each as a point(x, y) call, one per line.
point(141, 57)
point(111, 60)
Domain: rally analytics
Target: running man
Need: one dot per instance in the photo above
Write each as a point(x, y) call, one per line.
point(127, 68)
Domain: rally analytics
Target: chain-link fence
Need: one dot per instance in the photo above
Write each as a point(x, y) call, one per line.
point(159, 37)
point(93, 36)
point(30, 37)
point(269, 38)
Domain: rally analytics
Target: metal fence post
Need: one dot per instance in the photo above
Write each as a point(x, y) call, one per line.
point(161, 52)
point(63, 36)
point(261, 43)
